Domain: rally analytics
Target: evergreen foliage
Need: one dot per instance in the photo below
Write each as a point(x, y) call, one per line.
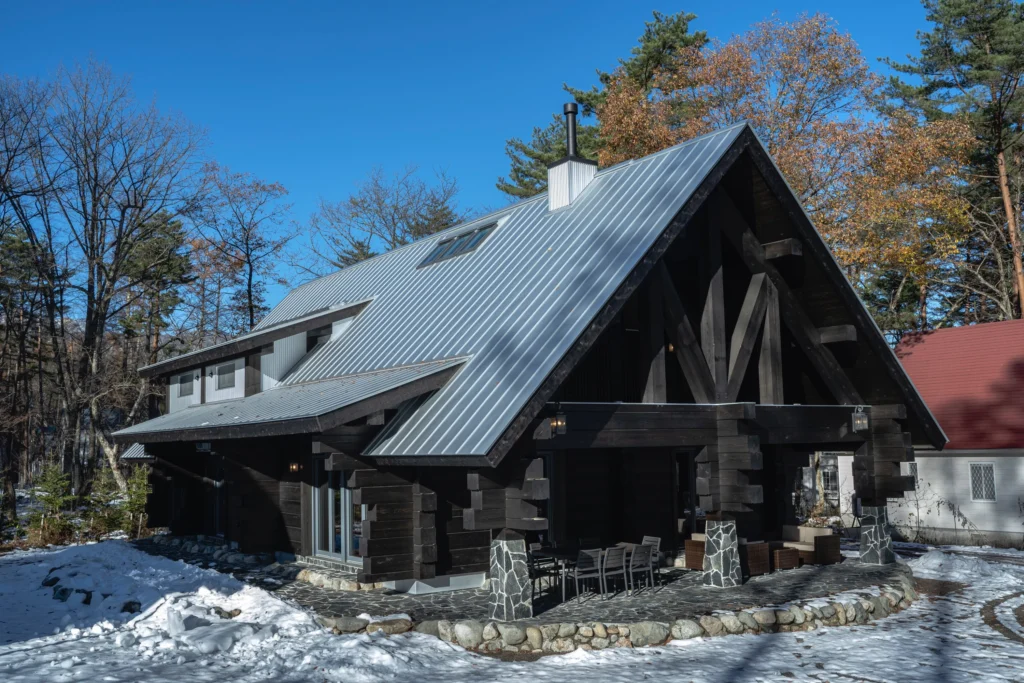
point(971, 67)
point(663, 40)
point(134, 505)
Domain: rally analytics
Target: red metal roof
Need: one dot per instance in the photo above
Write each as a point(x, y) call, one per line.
point(972, 378)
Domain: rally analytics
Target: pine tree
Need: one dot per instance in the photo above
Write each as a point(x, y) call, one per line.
point(972, 65)
point(54, 493)
point(663, 40)
point(135, 500)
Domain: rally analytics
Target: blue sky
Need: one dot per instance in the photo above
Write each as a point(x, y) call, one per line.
point(313, 95)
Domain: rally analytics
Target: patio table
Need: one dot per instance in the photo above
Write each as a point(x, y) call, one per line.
point(563, 557)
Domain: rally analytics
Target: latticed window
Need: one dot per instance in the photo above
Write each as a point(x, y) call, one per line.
point(983, 481)
point(830, 480)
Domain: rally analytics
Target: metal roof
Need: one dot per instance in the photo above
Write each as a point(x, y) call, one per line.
point(136, 453)
point(513, 307)
point(255, 339)
point(285, 403)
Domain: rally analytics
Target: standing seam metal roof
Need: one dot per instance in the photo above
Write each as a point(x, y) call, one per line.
point(515, 305)
point(289, 402)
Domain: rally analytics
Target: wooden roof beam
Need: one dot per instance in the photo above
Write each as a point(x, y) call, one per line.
point(804, 332)
point(790, 246)
point(680, 331)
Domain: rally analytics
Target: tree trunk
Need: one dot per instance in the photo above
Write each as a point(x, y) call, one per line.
point(108, 448)
point(923, 306)
point(1012, 228)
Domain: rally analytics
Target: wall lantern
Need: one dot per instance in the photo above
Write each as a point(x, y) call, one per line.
point(671, 348)
point(859, 421)
point(293, 467)
point(558, 423)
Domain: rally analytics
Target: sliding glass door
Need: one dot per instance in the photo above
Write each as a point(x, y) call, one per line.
point(337, 521)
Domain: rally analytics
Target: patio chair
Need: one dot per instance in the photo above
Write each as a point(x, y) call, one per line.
point(540, 568)
point(655, 543)
point(588, 566)
point(639, 563)
point(614, 564)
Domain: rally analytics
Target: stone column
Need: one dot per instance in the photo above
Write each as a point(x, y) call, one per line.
point(876, 536)
point(722, 555)
point(511, 594)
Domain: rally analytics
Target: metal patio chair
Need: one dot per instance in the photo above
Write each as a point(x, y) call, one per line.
point(639, 563)
point(655, 543)
point(588, 566)
point(613, 564)
point(541, 568)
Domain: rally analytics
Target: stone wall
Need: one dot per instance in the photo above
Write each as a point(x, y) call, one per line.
point(528, 637)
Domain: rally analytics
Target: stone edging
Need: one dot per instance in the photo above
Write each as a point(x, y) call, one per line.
point(518, 637)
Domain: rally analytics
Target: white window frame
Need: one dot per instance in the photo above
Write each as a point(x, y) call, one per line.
point(970, 472)
point(217, 375)
point(182, 383)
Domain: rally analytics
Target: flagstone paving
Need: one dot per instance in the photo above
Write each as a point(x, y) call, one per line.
point(681, 594)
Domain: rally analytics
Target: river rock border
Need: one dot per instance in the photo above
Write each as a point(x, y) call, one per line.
point(847, 609)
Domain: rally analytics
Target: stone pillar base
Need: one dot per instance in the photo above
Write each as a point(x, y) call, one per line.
point(722, 555)
point(876, 536)
point(511, 592)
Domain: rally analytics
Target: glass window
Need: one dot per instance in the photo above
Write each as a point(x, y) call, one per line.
point(225, 376)
point(461, 244)
point(912, 471)
point(983, 481)
point(830, 479)
point(185, 385)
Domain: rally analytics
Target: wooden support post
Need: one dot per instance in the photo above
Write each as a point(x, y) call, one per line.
point(654, 359)
point(688, 351)
point(712, 320)
point(424, 561)
point(769, 364)
point(744, 335)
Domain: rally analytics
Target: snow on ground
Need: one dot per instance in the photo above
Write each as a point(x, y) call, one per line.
point(181, 634)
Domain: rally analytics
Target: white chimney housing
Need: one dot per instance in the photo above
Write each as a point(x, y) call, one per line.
point(567, 179)
point(569, 176)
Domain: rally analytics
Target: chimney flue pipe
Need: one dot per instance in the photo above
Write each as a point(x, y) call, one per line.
point(570, 110)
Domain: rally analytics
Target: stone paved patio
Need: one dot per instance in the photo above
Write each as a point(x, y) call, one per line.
point(681, 594)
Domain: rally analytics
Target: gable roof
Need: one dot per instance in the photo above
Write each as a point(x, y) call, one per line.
point(972, 377)
point(524, 306)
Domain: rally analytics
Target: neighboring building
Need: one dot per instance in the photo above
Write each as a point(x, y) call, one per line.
point(973, 491)
point(595, 362)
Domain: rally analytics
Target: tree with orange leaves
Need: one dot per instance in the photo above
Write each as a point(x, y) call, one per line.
point(882, 189)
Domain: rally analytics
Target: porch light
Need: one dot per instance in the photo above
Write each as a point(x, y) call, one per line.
point(293, 467)
point(859, 420)
point(671, 348)
point(558, 423)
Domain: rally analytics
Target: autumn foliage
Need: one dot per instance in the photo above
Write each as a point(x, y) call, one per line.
point(879, 186)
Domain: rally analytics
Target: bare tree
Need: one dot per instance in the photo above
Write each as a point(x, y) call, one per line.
point(244, 220)
point(385, 212)
point(85, 176)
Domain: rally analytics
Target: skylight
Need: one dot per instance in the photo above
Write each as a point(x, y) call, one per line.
point(458, 245)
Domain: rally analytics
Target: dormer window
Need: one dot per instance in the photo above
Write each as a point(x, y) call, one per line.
point(458, 245)
point(185, 384)
point(225, 376)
